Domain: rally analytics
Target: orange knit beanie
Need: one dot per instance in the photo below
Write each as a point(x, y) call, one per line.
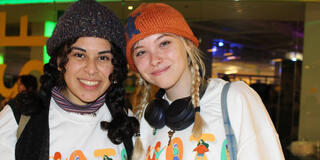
point(154, 18)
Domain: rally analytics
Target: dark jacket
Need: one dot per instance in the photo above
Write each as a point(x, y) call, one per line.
point(33, 143)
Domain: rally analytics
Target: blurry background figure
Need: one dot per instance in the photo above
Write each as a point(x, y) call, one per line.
point(225, 77)
point(26, 83)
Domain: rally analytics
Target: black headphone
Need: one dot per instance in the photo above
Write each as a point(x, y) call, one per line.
point(177, 116)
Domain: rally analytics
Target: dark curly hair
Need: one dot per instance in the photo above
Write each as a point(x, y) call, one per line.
point(122, 127)
point(29, 82)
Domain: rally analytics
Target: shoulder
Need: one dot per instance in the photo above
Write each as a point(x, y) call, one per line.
point(215, 85)
point(213, 90)
point(242, 94)
point(8, 131)
point(238, 92)
point(246, 106)
point(6, 111)
point(7, 119)
point(241, 88)
point(14, 109)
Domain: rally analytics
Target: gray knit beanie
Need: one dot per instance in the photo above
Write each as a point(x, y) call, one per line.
point(86, 18)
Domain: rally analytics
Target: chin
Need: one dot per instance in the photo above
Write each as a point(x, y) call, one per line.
point(89, 99)
point(164, 85)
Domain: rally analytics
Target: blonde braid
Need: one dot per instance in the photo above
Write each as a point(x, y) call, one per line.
point(137, 149)
point(199, 123)
point(143, 92)
point(196, 64)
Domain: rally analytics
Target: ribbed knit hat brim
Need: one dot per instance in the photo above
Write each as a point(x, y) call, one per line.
point(86, 18)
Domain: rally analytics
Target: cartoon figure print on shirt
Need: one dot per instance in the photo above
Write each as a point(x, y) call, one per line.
point(174, 151)
point(106, 158)
point(105, 154)
point(202, 145)
point(224, 151)
point(201, 149)
point(157, 152)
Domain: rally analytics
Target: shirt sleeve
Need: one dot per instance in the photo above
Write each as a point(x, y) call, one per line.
point(8, 131)
point(254, 131)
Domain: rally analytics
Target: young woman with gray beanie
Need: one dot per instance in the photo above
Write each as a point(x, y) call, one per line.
point(79, 112)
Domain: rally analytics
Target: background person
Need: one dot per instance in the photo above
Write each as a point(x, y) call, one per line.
point(26, 83)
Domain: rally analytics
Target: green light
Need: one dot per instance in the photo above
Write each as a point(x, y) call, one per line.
point(46, 57)
point(5, 2)
point(48, 30)
point(1, 58)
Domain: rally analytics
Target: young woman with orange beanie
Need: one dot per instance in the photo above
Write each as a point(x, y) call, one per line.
point(188, 118)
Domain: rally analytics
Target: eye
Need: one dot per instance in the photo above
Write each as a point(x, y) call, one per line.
point(78, 54)
point(105, 58)
point(164, 43)
point(139, 53)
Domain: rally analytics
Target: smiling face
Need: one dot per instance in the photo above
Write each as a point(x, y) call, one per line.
point(161, 59)
point(87, 70)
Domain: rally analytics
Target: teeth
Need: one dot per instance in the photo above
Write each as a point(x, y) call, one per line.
point(89, 83)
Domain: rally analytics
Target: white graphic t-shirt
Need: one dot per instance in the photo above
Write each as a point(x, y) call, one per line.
point(255, 134)
point(80, 137)
point(72, 136)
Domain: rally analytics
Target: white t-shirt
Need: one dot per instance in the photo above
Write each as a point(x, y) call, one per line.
point(72, 135)
point(255, 134)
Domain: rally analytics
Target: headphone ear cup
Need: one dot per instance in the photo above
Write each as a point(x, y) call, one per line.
point(155, 113)
point(180, 114)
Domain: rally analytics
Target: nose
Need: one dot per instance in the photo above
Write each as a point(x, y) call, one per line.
point(91, 67)
point(155, 59)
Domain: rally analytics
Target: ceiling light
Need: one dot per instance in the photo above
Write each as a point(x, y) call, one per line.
point(220, 44)
point(130, 8)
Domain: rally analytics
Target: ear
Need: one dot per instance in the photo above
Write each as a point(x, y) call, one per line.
point(58, 63)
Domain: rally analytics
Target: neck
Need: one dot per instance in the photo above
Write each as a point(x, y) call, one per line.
point(72, 98)
point(182, 88)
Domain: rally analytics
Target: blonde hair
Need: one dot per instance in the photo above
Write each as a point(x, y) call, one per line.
point(143, 92)
point(146, 93)
point(196, 65)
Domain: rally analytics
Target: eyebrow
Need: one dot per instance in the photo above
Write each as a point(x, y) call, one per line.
point(83, 50)
point(102, 52)
point(161, 36)
point(136, 46)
